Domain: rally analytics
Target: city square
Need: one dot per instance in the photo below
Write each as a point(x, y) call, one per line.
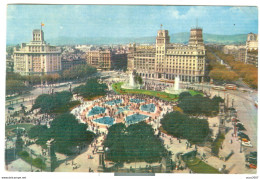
point(133, 107)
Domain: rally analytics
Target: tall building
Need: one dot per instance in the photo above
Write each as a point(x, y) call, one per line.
point(37, 57)
point(252, 41)
point(252, 49)
point(167, 60)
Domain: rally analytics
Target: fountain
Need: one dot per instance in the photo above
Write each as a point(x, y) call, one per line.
point(176, 83)
point(131, 82)
point(176, 88)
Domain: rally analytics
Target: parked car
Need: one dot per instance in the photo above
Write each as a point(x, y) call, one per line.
point(247, 144)
point(243, 135)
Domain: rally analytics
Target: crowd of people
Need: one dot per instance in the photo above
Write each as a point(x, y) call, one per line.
point(119, 107)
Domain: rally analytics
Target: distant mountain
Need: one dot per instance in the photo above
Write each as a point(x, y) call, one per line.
point(211, 38)
point(182, 37)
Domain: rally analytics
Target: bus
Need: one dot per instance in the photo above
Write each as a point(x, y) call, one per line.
point(231, 86)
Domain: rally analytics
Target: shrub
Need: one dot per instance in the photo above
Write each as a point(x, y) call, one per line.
point(37, 162)
point(23, 154)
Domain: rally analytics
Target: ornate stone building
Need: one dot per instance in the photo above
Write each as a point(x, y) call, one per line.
point(166, 60)
point(37, 57)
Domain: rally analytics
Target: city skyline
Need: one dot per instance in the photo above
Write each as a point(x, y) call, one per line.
point(126, 20)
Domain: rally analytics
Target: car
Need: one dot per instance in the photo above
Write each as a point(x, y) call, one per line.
point(243, 135)
point(247, 144)
point(252, 166)
point(240, 126)
point(244, 140)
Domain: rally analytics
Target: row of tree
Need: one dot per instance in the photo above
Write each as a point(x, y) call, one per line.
point(248, 72)
point(16, 83)
point(78, 71)
point(134, 143)
point(182, 126)
point(198, 105)
point(219, 72)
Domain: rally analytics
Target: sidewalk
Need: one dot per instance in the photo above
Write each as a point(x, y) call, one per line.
point(82, 161)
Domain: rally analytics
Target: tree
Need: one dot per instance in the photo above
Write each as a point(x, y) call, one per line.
point(15, 86)
point(79, 71)
point(49, 102)
point(37, 131)
point(41, 133)
point(180, 125)
point(138, 79)
point(183, 95)
point(217, 99)
point(136, 142)
point(92, 88)
point(67, 132)
point(198, 105)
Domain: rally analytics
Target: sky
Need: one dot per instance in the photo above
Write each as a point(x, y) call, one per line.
point(125, 20)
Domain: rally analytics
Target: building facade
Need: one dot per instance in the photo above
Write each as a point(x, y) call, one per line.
point(239, 52)
point(71, 59)
point(106, 59)
point(101, 59)
point(252, 49)
point(37, 57)
point(166, 60)
point(69, 63)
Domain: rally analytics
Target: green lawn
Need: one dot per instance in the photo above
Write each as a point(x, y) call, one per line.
point(162, 95)
point(8, 129)
point(198, 166)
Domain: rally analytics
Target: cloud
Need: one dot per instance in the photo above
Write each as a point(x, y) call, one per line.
point(190, 13)
point(247, 12)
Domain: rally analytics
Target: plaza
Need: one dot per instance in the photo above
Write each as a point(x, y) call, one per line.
point(129, 109)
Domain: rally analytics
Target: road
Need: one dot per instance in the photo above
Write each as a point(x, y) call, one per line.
point(244, 103)
point(29, 98)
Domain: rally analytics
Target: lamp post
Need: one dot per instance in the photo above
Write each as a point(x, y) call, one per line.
point(241, 149)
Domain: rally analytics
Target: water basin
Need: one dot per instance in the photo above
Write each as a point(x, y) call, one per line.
point(136, 100)
point(135, 118)
point(96, 110)
point(114, 102)
point(105, 120)
point(148, 107)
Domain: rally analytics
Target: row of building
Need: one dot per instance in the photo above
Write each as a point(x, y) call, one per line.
point(37, 57)
point(163, 60)
point(247, 53)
